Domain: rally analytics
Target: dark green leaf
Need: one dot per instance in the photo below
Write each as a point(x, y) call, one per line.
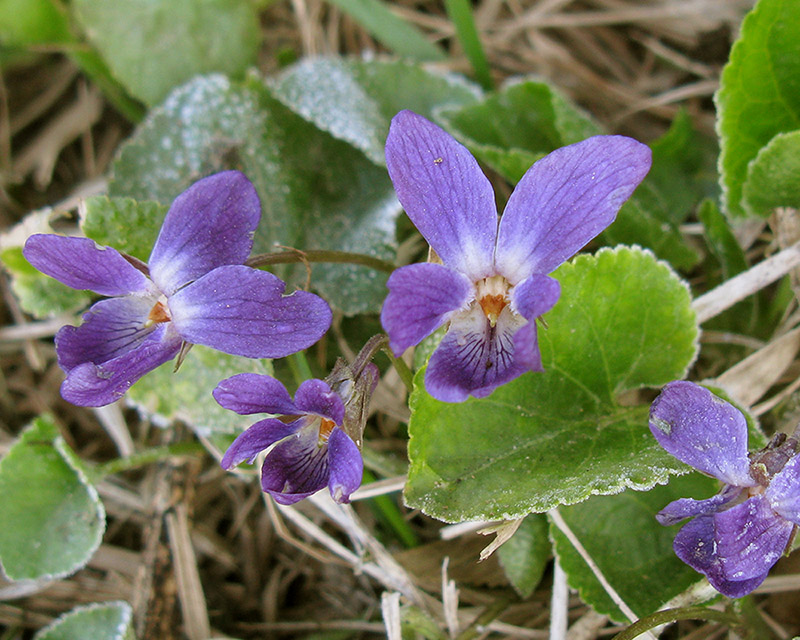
point(525, 556)
point(316, 192)
point(632, 551)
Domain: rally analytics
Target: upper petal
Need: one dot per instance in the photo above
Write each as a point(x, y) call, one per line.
point(750, 538)
point(695, 545)
point(475, 358)
point(81, 263)
point(110, 328)
point(248, 393)
point(243, 311)
point(209, 225)
point(421, 299)
point(91, 385)
point(783, 492)
point(256, 438)
point(346, 466)
point(444, 192)
point(564, 200)
point(703, 431)
point(315, 396)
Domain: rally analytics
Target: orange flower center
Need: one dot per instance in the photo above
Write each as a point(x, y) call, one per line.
point(325, 428)
point(159, 313)
point(492, 295)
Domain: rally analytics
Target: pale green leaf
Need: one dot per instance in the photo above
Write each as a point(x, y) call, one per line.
point(759, 94)
point(166, 395)
point(773, 176)
point(152, 46)
point(354, 100)
point(58, 519)
point(101, 621)
point(123, 223)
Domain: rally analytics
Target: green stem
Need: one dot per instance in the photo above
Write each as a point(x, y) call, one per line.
point(301, 371)
point(148, 456)
point(401, 367)
point(387, 510)
point(673, 615)
point(319, 255)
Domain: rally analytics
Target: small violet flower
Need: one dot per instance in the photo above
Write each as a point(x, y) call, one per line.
point(316, 443)
point(736, 536)
point(489, 282)
point(195, 290)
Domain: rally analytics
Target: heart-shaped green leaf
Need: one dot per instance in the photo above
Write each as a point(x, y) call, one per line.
point(624, 321)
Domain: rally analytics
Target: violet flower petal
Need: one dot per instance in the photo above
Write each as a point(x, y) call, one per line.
point(90, 385)
point(110, 328)
point(703, 431)
point(422, 297)
point(81, 263)
point(474, 358)
point(444, 192)
point(535, 296)
point(346, 466)
point(297, 466)
point(256, 438)
point(783, 492)
point(248, 393)
point(243, 311)
point(683, 508)
point(315, 396)
point(694, 545)
point(566, 199)
point(750, 538)
point(526, 348)
point(209, 225)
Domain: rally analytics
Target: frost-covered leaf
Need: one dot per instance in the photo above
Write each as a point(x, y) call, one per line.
point(773, 176)
point(624, 321)
point(632, 551)
point(123, 223)
point(55, 520)
point(101, 621)
point(759, 94)
point(525, 556)
point(316, 192)
point(513, 127)
point(354, 100)
point(166, 395)
point(152, 46)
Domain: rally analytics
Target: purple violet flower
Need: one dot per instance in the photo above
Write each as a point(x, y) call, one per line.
point(316, 443)
point(489, 282)
point(736, 536)
point(196, 290)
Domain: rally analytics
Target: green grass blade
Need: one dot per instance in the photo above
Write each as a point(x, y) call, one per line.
point(393, 32)
point(460, 13)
